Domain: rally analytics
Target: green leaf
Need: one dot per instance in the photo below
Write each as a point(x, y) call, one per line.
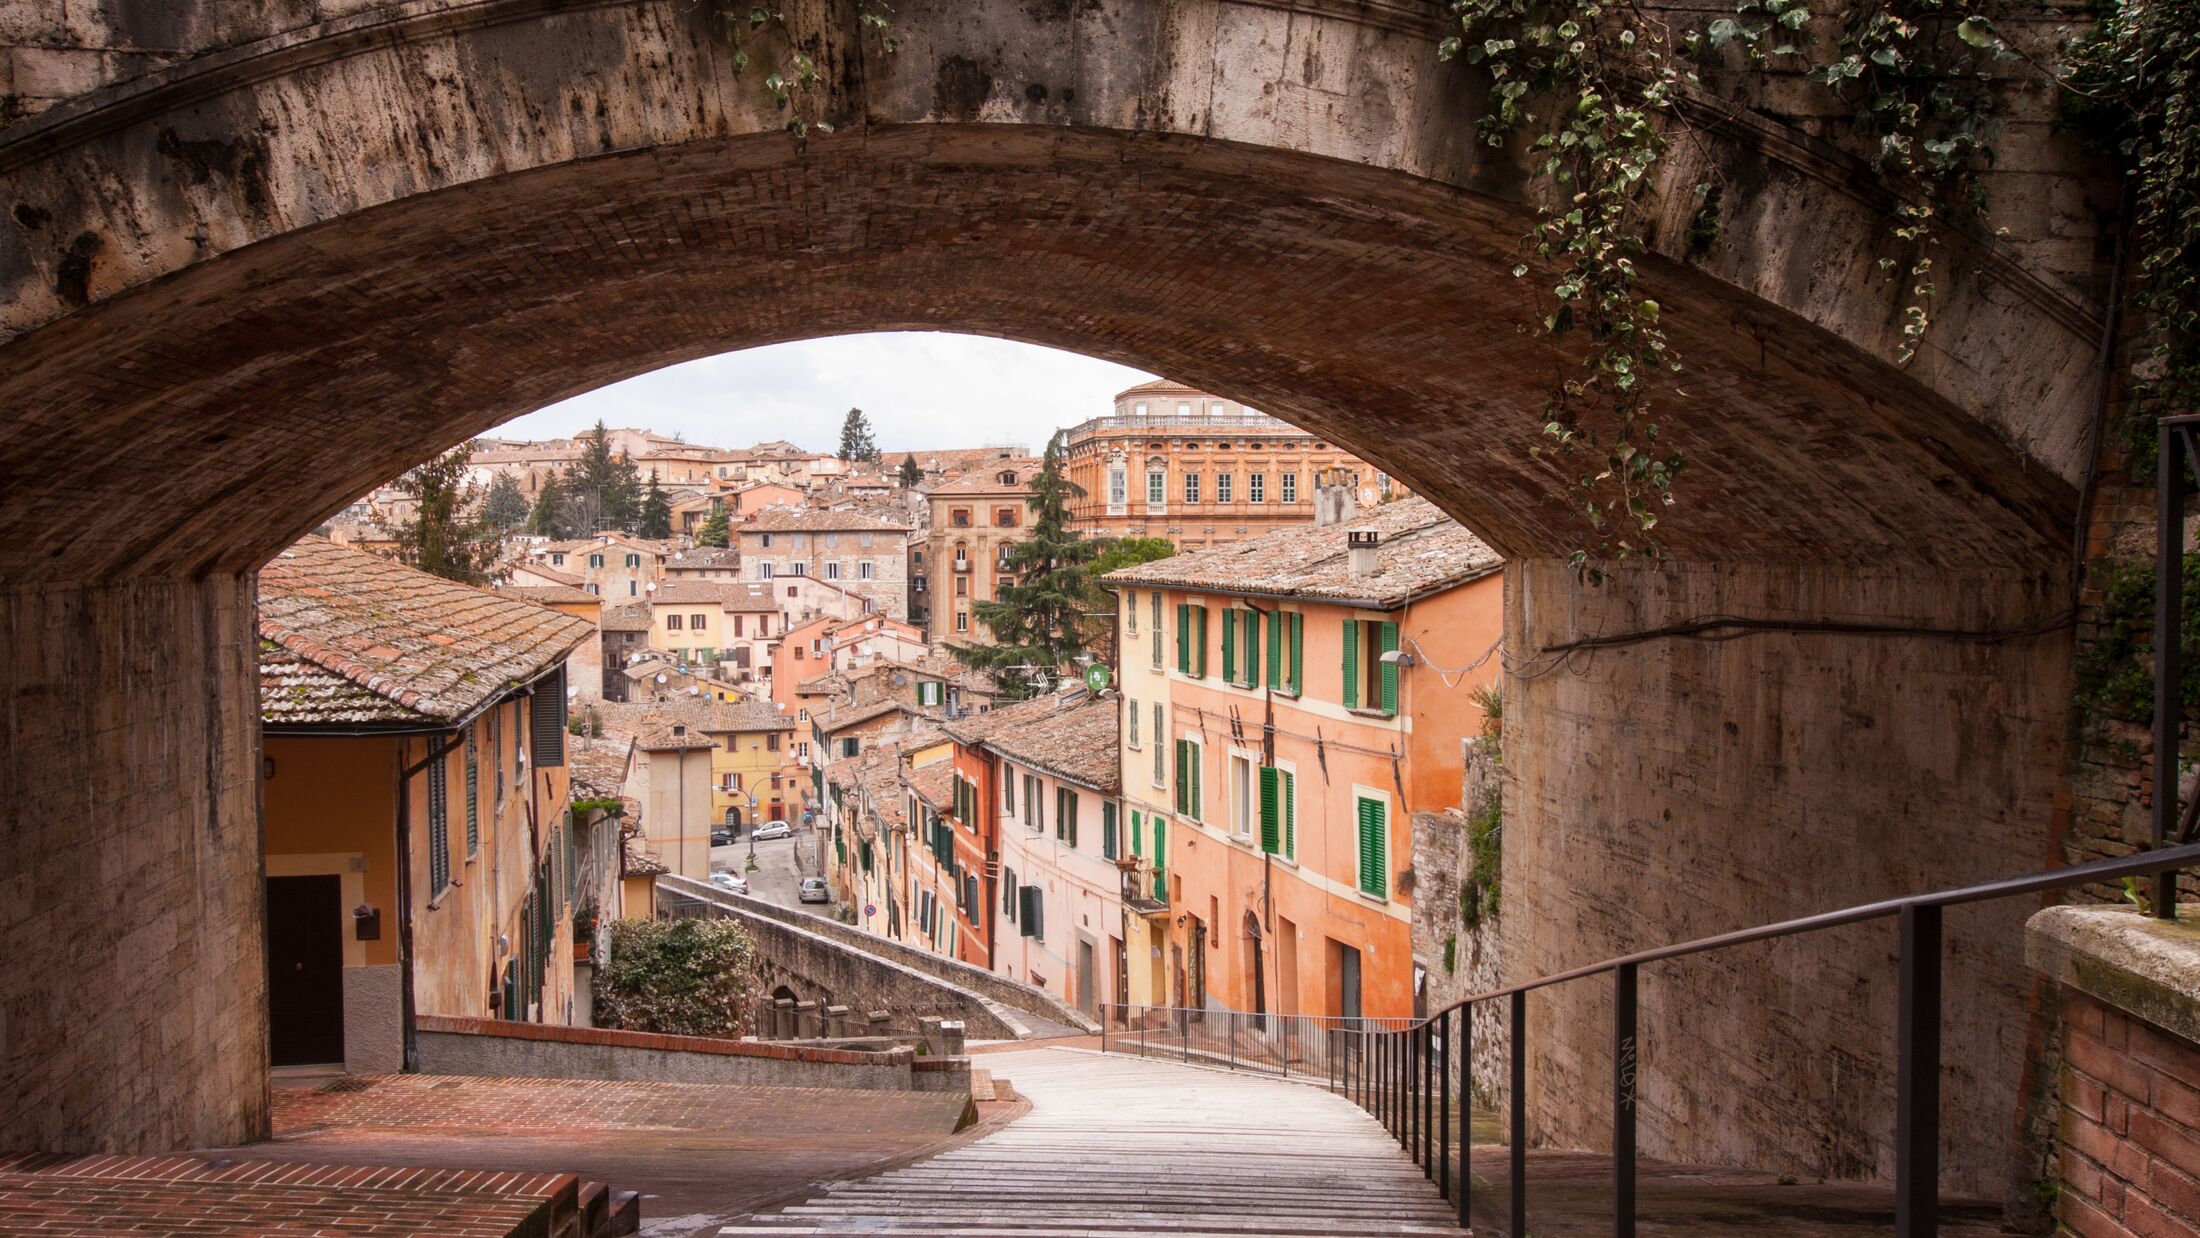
point(1978, 32)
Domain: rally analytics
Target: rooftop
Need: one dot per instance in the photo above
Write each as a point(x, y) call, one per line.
point(1068, 736)
point(1422, 551)
point(348, 637)
point(780, 519)
point(726, 594)
point(702, 557)
point(545, 595)
point(625, 617)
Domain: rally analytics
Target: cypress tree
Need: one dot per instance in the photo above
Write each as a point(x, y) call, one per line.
point(856, 443)
point(653, 516)
point(506, 508)
point(910, 473)
point(1038, 623)
point(444, 536)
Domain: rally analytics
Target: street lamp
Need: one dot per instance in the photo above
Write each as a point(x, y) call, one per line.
point(750, 796)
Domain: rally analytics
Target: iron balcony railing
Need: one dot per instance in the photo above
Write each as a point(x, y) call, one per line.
point(1259, 422)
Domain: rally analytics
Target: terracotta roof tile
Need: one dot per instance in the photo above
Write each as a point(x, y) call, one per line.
point(544, 595)
point(1422, 550)
point(1070, 739)
point(727, 594)
point(433, 649)
point(809, 519)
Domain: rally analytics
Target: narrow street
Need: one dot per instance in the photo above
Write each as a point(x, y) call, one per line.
point(1119, 1146)
point(781, 864)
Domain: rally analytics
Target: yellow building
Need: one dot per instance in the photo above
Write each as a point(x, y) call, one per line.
point(419, 856)
point(754, 774)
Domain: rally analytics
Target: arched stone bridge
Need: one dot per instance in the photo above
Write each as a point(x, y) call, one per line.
point(259, 258)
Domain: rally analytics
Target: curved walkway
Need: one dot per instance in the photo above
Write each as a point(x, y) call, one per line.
point(1119, 1145)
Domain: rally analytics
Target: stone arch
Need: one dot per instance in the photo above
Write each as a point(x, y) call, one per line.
point(241, 288)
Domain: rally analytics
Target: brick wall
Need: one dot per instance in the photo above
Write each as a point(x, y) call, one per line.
point(1443, 862)
point(2128, 1143)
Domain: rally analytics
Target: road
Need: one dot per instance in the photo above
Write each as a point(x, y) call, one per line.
point(777, 876)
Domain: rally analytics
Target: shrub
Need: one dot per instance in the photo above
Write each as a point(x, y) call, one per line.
point(680, 977)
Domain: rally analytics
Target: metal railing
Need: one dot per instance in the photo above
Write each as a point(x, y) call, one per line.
point(1405, 1077)
point(1315, 1048)
point(1261, 422)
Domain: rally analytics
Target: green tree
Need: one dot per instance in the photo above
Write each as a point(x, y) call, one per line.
point(1039, 623)
point(445, 535)
point(714, 531)
point(1128, 552)
point(678, 977)
point(855, 438)
point(910, 473)
point(653, 517)
point(605, 491)
point(506, 508)
point(550, 517)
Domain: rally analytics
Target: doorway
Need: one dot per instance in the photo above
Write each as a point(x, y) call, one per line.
point(1348, 983)
point(305, 970)
point(1087, 967)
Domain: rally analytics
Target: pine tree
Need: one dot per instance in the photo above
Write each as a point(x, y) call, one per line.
point(549, 518)
point(506, 508)
point(856, 443)
point(1038, 623)
point(653, 517)
point(444, 536)
point(714, 531)
point(604, 491)
point(910, 473)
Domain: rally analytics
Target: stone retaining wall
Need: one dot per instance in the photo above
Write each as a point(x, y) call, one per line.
point(495, 1048)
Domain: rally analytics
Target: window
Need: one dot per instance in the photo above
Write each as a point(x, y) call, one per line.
point(439, 827)
point(1155, 627)
point(1188, 760)
point(798, 568)
point(1241, 647)
point(1032, 911)
point(1286, 651)
point(764, 571)
point(1133, 711)
point(771, 741)
point(473, 796)
point(928, 693)
point(595, 590)
point(1157, 487)
point(1222, 487)
point(595, 560)
point(1183, 408)
point(672, 623)
point(1110, 845)
point(1008, 789)
point(832, 570)
point(962, 586)
point(633, 587)
point(739, 622)
point(962, 621)
point(1374, 824)
point(1008, 477)
point(1191, 487)
point(1370, 682)
point(1139, 409)
point(1240, 807)
point(1279, 812)
point(767, 542)
point(1035, 809)
point(1004, 517)
point(557, 560)
point(866, 570)
point(1119, 487)
point(1256, 487)
point(959, 518)
point(1160, 770)
point(1065, 815)
point(850, 745)
point(1290, 491)
point(1011, 894)
point(634, 560)
point(863, 540)
point(698, 622)
point(1191, 640)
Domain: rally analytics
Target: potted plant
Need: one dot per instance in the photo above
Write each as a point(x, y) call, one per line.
point(584, 929)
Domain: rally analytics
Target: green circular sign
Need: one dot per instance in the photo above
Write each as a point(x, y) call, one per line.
point(1096, 677)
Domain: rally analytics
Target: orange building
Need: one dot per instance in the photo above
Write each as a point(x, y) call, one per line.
point(974, 520)
point(1199, 470)
point(1288, 702)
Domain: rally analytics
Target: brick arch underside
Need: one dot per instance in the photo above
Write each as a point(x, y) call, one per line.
point(196, 423)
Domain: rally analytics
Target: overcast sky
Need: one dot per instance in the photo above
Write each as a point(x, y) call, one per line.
point(919, 389)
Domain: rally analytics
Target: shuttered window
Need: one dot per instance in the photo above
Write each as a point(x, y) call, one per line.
point(1031, 912)
point(1297, 682)
point(473, 795)
point(1160, 772)
point(1279, 811)
point(1160, 859)
point(1109, 845)
point(1351, 670)
point(1188, 761)
point(1138, 832)
point(1374, 822)
point(548, 720)
point(1010, 894)
point(439, 826)
point(1065, 815)
point(1183, 638)
point(1229, 644)
point(1387, 639)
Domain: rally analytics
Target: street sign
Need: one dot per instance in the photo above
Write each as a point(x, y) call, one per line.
point(1096, 677)
point(870, 909)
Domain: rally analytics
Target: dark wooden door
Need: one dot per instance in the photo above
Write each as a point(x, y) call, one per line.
point(305, 970)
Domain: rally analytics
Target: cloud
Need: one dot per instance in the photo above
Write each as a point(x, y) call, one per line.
point(920, 389)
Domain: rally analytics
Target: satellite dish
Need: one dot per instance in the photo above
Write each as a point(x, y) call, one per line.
point(572, 692)
point(660, 676)
point(697, 690)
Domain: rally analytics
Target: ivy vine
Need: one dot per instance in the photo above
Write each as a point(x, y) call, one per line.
point(789, 56)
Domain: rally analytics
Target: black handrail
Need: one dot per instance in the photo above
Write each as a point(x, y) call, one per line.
point(1400, 1076)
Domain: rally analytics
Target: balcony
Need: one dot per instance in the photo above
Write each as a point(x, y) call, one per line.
point(1260, 423)
point(1145, 891)
point(962, 565)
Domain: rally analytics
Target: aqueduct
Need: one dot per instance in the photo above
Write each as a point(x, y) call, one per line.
point(259, 258)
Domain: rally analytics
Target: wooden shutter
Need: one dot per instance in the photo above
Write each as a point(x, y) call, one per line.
point(548, 720)
point(1298, 649)
point(1390, 669)
point(1138, 832)
point(1271, 818)
point(1229, 645)
point(1199, 623)
point(1160, 859)
point(1183, 638)
point(473, 794)
point(1277, 622)
point(1110, 846)
point(439, 825)
point(1068, 823)
point(1252, 648)
point(1199, 760)
point(1288, 791)
point(1351, 664)
point(1061, 812)
point(1183, 774)
point(1374, 848)
point(1010, 892)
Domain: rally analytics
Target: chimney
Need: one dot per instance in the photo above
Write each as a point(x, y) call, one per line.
point(1360, 547)
point(1333, 500)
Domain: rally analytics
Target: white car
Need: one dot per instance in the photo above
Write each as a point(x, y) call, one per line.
point(727, 881)
point(773, 829)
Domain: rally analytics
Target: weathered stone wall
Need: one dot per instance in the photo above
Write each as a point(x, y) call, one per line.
point(1443, 862)
point(495, 1049)
point(132, 1003)
point(1672, 789)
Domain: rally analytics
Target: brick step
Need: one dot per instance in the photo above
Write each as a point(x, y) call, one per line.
point(626, 1216)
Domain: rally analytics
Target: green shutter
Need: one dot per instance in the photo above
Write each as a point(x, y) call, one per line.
point(1199, 799)
point(1061, 812)
point(1298, 649)
point(1183, 638)
point(1276, 624)
point(1390, 669)
point(1374, 849)
point(473, 796)
point(1229, 645)
point(1199, 630)
point(1252, 648)
point(1271, 817)
point(1138, 832)
point(1183, 774)
point(1351, 664)
point(1288, 789)
point(1160, 850)
point(1108, 843)
point(1069, 816)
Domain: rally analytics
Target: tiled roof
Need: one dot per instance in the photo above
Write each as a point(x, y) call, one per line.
point(987, 480)
point(625, 617)
point(781, 519)
point(672, 736)
point(702, 557)
point(838, 719)
point(1159, 386)
point(746, 716)
point(544, 595)
point(1421, 551)
point(336, 623)
point(1073, 740)
point(934, 783)
point(550, 574)
point(735, 595)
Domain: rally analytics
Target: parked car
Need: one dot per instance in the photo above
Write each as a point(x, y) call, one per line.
point(722, 836)
point(774, 829)
point(813, 891)
point(728, 881)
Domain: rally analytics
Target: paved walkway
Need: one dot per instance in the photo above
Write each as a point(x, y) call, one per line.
point(1118, 1146)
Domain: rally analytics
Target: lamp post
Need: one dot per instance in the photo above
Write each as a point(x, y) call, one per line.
point(751, 798)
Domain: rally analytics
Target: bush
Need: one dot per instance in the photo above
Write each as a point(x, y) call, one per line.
point(679, 977)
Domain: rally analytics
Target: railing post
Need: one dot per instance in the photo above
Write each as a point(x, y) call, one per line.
point(1626, 1064)
point(1917, 1077)
point(1229, 1036)
point(1103, 1028)
point(1401, 1086)
point(1142, 1036)
point(1428, 1100)
point(1519, 1114)
point(2169, 601)
point(1443, 1108)
point(1466, 1115)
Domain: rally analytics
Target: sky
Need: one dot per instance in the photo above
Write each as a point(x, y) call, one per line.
point(920, 389)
